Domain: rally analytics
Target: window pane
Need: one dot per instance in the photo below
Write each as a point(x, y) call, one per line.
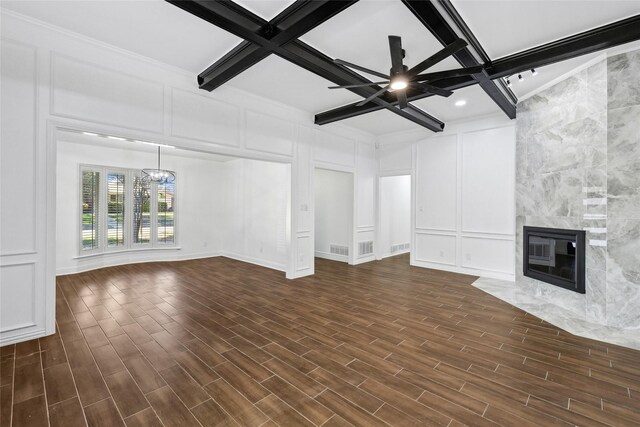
point(141, 210)
point(90, 209)
point(115, 209)
point(165, 213)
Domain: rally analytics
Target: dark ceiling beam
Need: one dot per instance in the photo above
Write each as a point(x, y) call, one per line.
point(431, 18)
point(261, 37)
point(475, 44)
point(607, 36)
point(280, 37)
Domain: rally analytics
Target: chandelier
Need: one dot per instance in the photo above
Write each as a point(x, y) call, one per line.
point(161, 176)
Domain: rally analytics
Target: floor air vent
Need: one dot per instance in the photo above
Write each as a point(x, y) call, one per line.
point(365, 248)
point(339, 250)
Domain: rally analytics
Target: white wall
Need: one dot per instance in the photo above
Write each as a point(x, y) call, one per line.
point(333, 212)
point(54, 79)
point(395, 214)
point(256, 206)
point(198, 215)
point(464, 195)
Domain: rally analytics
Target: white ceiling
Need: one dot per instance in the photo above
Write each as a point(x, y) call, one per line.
point(161, 31)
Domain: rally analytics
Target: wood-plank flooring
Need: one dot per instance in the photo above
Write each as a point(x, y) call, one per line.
point(218, 342)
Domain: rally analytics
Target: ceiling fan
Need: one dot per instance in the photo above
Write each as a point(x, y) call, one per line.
point(401, 78)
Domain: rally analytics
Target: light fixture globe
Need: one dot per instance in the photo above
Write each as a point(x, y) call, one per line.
point(161, 176)
point(398, 84)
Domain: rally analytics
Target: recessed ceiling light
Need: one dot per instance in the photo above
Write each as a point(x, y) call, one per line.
point(461, 103)
point(90, 133)
point(117, 138)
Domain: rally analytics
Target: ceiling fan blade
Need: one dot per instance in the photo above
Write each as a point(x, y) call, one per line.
point(427, 88)
point(447, 74)
point(386, 82)
point(363, 69)
point(374, 96)
point(437, 57)
point(402, 99)
point(395, 47)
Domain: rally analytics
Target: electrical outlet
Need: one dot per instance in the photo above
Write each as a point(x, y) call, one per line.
point(468, 256)
point(204, 244)
point(442, 253)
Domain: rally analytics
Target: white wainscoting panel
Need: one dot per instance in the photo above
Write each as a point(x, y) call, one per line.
point(395, 157)
point(437, 248)
point(436, 184)
point(334, 149)
point(304, 252)
point(269, 134)
point(18, 297)
point(488, 181)
point(365, 185)
point(18, 150)
point(206, 119)
point(89, 92)
point(486, 254)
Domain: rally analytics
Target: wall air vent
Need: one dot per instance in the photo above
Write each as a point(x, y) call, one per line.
point(339, 250)
point(399, 247)
point(365, 248)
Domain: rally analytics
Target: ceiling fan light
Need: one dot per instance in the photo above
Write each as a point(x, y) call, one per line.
point(398, 84)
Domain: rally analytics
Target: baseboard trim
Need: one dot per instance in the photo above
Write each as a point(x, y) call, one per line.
point(332, 257)
point(31, 335)
point(94, 263)
point(257, 261)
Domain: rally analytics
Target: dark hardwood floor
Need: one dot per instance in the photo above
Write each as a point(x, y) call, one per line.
point(220, 342)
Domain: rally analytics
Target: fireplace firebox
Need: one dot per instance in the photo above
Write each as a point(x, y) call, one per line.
point(555, 256)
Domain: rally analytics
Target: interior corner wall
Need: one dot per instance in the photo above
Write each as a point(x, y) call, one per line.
point(464, 197)
point(198, 192)
point(395, 215)
point(256, 207)
point(578, 151)
point(333, 213)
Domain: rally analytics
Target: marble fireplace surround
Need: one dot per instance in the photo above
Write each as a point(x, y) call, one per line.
point(578, 167)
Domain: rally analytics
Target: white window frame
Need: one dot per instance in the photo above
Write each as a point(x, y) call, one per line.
point(102, 235)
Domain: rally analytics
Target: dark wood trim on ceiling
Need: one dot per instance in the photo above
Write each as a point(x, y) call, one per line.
point(475, 44)
point(436, 23)
point(595, 40)
point(280, 36)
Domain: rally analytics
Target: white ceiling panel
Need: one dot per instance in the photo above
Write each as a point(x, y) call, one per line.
point(265, 9)
point(360, 33)
point(506, 27)
point(477, 103)
point(152, 28)
point(280, 80)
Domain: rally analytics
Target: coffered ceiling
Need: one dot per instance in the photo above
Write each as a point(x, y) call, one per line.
point(163, 32)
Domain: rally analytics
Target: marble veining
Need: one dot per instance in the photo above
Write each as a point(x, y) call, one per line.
point(578, 167)
point(623, 88)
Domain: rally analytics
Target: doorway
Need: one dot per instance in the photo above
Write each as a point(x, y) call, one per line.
point(333, 215)
point(395, 216)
